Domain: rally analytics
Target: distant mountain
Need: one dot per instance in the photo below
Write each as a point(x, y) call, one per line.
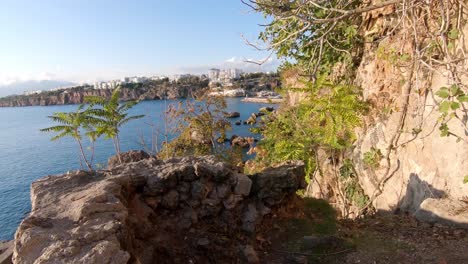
point(20, 87)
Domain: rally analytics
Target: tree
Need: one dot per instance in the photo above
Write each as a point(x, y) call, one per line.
point(111, 116)
point(198, 125)
point(71, 125)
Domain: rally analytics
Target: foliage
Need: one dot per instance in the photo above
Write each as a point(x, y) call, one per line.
point(352, 189)
point(71, 125)
point(452, 99)
point(111, 115)
point(465, 179)
point(372, 158)
point(324, 120)
point(316, 47)
point(199, 127)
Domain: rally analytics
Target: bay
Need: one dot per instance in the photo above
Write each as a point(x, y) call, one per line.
point(26, 154)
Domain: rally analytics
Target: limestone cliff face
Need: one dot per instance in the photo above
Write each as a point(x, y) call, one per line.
point(421, 163)
point(191, 210)
point(147, 92)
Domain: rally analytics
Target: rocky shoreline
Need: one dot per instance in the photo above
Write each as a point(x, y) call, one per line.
point(189, 210)
point(77, 95)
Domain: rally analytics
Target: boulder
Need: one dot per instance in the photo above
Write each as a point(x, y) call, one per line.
point(252, 120)
point(231, 114)
point(243, 142)
point(238, 122)
point(444, 211)
point(243, 185)
point(266, 109)
point(127, 157)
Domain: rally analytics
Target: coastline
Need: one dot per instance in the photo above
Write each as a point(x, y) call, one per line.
point(262, 100)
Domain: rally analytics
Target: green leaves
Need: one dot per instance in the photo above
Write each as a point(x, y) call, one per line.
point(444, 130)
point(443, 93)
point(452, 100)
point(453, 34)
point(465, 180)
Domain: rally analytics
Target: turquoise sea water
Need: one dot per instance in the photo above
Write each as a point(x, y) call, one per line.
point(27, 154)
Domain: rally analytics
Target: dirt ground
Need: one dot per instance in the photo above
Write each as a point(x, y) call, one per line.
point(380, 238)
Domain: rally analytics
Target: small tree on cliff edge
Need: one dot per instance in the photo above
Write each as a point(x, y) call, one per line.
point(112, 116)
point(71, 125)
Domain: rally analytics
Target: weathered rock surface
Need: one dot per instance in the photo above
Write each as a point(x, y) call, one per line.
point(252, 120)
point(449, 212)
point(127, 157)
point(151, 211)
point(243, 142)
point(421, 163)
point(231, 114)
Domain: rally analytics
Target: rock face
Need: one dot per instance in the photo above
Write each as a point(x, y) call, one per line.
point(151, 211)
point(127, 157)
point(423, 164)
point(146, 92)
point(446, 211)
point(231, 114)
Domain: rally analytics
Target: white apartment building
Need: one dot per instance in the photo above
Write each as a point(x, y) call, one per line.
point(224, 76)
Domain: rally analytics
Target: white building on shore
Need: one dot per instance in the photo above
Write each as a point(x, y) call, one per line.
point(223, 76)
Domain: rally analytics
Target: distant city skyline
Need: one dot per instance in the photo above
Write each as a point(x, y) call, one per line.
point(87, 41)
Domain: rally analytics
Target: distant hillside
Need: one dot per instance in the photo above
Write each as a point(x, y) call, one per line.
point(149, 91)
point(20, 87)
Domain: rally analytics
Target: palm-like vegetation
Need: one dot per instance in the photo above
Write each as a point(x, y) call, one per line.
point(71, 125)
point(112, 115)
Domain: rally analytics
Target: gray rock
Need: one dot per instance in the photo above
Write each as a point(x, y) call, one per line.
point(249, 218)
point(443, 211)
point(170, 200)
point(199, 190)
point(250, 254)
point(216, 170)
point(127, 157)
point(231, 114)
point(223, 190)
point(274, 184)
point(243, 185)
point(266, 109)
point(232, 201)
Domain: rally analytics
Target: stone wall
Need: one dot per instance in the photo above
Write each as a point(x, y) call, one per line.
point(151, 211)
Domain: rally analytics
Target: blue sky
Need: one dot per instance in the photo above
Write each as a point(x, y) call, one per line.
point(87, 40)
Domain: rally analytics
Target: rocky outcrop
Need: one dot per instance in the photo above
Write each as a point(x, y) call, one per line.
point(189, 210)
point(231, 114)
point(446, 211)
point(243, 142)
point(76, 96)
point(127, 157)
point(421, 163)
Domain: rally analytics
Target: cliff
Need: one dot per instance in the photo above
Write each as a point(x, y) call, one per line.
point(190, 210)
point(148, 91)
point(418, 170)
